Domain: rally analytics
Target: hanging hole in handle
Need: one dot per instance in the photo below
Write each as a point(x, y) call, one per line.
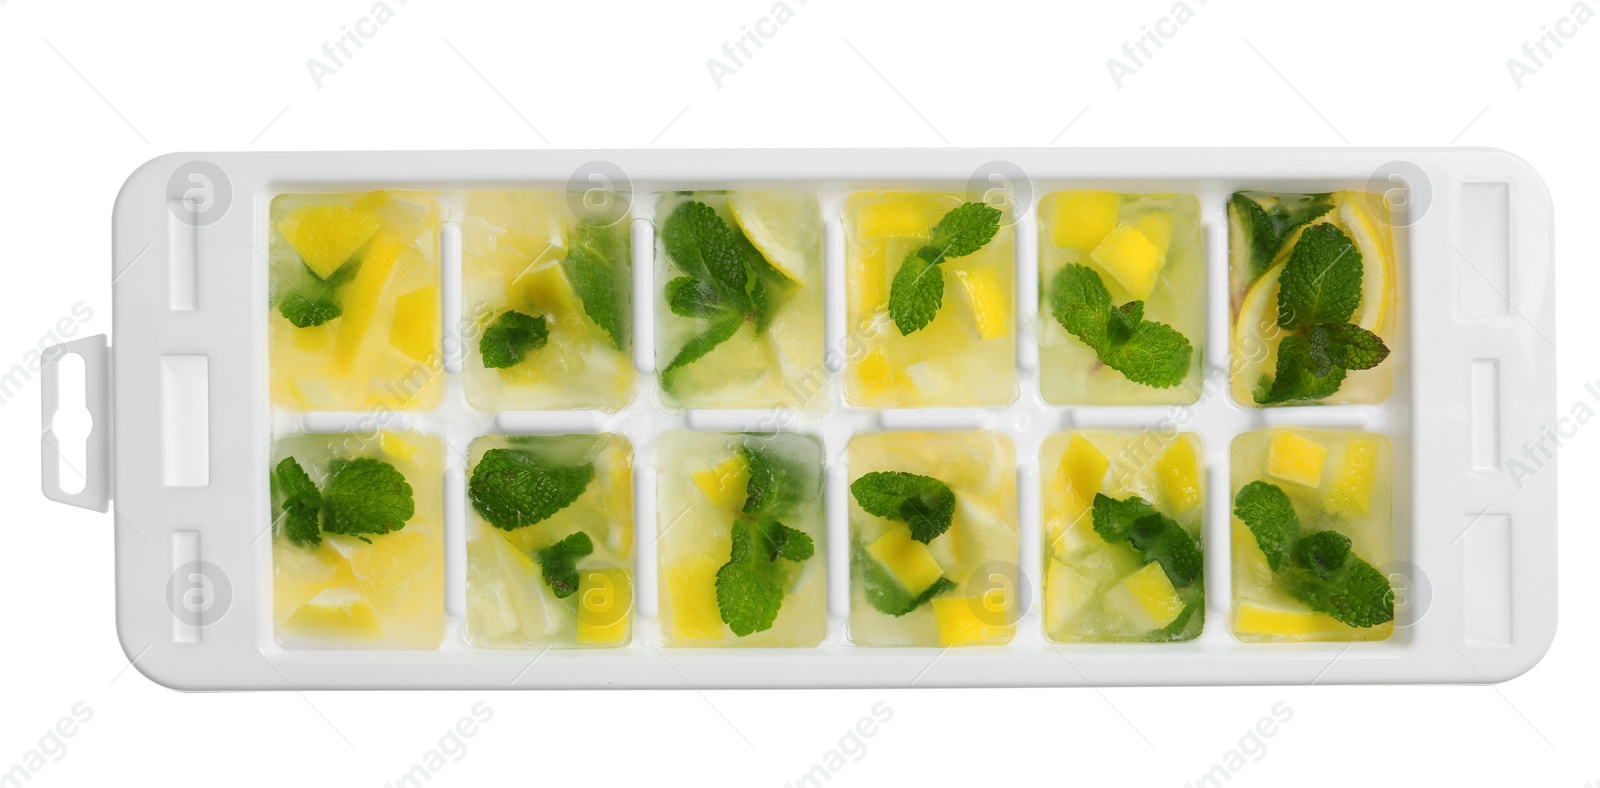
point(72, 423)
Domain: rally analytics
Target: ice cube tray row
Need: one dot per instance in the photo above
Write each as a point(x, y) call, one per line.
point(741, 550)
point(741, 543)
point(356, 319)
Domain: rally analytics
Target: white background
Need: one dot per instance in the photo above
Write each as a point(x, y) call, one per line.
point(90, 91)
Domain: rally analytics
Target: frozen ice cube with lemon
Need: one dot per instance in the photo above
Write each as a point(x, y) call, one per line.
point(550, 542)
point(739, 300)
point(962, 352)
point(1312, 536)
point(1327, 336)
point(358, 541)
point(547, 291)
point(1136, 572)
point(933, 532)
point(740, 545)
point(353, 285)
point(1140, 248)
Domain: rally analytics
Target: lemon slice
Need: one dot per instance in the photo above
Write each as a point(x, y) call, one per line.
point(783, 226)
point(1377, 269)
point(1254, 354)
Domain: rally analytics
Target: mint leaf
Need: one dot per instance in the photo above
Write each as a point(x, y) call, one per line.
point(776, 484)
point(1355, 593)
point(1296, 377)
point(1322, 552)
point(305, 312)
point(690, 297)
point(781, 541)
point(917, 290)
point(512, 488)
point(599, 255)
point(1345, 346)
point(1155, 355)
point(1082, 305)
point(964, 230)
point(1265, 510)
point(706, 248)
point(716, 332)
point(1113, 519)
point(925, 504)
point(511, 337)
point(750, 585)
point(1144, 351)
point(302, 503)
point(915, 294)
point(884, 591)
point(365, 496)
point(1319, 568)
point(1157, 537)
point(559, 563)
point(1177, 629)
point(1321, 282)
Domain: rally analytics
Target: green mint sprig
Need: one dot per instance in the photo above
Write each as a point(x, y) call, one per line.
point(923, 503)
point(513, 488)
point(599, 252)
point(1317, 568)
point(750, 586)
point(362, 496)
point(1265, 229)
point(511, 337)
point(1144, 351)
point(317, 302)
point(1157, 537)
point(917, 290)
point(559, 563)
point(725, 281)
point(1318, 292)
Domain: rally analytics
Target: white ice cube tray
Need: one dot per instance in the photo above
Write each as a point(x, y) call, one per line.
point(182, 421)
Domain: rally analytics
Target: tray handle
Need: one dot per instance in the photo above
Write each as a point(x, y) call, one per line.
point(96, 355)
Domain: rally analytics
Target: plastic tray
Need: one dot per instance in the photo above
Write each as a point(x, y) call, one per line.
point(184, 398)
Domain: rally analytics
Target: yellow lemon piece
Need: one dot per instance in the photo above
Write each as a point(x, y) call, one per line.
point(361, 296)
point(692, 598)
point(1083, 218)
point(1377, 258)
point(1351, 492)
point(1293, 457)
point(725, 484)
point(399, 569)
point(907, 559)
point(1157, 227)
point(898, 216)
point(974, 620)
point(1082, 471)
point(1129, 256)
point(1256, 619)
point(327, 236)
point(1066, 591)
point(1255, 354)
point(546, 288)
point(1179, 472)
point(605, 605)
point(396, 446)
point(987, 300)
point(416, 323)
point(875, 374)
point(784, 226)
point(1146, 598)
point(339, 612)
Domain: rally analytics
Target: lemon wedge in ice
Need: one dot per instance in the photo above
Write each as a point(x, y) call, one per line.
point(781, 225)
point(1377, 261)
point(326, 236)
